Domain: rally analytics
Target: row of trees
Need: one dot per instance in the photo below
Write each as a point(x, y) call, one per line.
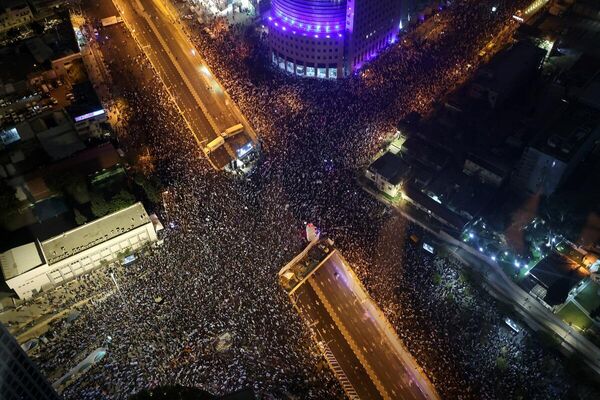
point(102, 202)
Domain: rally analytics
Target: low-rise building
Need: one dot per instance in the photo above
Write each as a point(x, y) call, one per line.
point(13, 14)
point(387, 173)
point(86, 110)
point(434, 208)
point(487, 169)
point(507, 73)
point(35, 266)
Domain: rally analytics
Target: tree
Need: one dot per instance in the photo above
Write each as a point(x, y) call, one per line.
point(121, 200)
point(8, 200)
point(72, 184)
point(80, 219)
point(501, 364)
point(37, 27)
point(99, 205)
point(150, 186)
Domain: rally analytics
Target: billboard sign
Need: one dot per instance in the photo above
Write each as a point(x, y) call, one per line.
point(89, 115)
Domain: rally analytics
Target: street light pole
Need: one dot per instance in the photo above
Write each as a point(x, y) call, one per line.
point(112, 276)
point(165, 192)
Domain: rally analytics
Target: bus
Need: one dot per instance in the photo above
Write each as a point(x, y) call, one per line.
point(232, 131)
point(214, 144)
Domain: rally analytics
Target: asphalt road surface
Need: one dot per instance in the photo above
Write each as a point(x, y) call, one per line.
point(313, 311)
point(373, 340)
point(204, 105)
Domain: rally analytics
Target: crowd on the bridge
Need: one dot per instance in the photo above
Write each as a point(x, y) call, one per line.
point(215, 275)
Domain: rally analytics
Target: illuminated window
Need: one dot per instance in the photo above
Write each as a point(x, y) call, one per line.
point(310, 71)
point(9, 136)
point(333, 73)
point(321, 72)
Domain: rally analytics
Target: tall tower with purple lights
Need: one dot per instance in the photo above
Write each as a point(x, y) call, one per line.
point(330, 38)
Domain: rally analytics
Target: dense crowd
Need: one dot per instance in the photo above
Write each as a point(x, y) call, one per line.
point(228, 236)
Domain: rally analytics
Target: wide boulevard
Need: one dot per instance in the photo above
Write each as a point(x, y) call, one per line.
point(202, 102)
point(377, 351)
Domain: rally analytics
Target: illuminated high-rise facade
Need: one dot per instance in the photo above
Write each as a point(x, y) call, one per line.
point(330, 38)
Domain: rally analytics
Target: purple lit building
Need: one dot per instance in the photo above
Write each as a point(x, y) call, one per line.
point(330, 38)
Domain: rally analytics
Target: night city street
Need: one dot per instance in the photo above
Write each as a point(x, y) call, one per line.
point(166, 163)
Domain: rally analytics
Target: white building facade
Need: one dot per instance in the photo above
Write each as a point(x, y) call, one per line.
point(75, 252)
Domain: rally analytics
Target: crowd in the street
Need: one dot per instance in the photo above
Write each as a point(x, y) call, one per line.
point(226, 237)
point(453, 327)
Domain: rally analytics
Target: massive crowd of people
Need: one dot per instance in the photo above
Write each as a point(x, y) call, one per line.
point(216, 273)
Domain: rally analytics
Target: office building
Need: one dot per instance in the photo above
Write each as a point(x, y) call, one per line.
point(330, 38)
point(20, 378)
point(555, 153)
point(35, 266)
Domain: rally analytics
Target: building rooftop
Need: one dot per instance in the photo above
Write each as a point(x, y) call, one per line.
point(452, 219)
point(19, 260)
point(11, 4)
point(391, 167)
point(568, 132)
point(508, 68)
point(420, 150)
point(591, 93)
point(60, 141)
point(576, 30)
point(490, 162)
point(582, 71)
point(16, 63)
point(28, 56)
point(556, 272)
point(86, 162)
point(88, 235)
point(55, 133)
point(86, 103)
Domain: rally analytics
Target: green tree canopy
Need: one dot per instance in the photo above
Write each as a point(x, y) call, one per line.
point(80, 219)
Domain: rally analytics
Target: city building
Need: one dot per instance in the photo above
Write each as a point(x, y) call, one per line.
point(387, 173)
point(508, 73)
point(19, 376)
point(13, 14)
point(553, 278)
point(489, 169)
point(330, 38)
point(86, 110)
point(44, 8)
point(556, 152)
point(451, 201)
point(54, 131)
point(434, 208)
point(38, 265)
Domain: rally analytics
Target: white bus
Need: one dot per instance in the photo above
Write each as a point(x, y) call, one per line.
point(214, 145)
point(232, 131)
